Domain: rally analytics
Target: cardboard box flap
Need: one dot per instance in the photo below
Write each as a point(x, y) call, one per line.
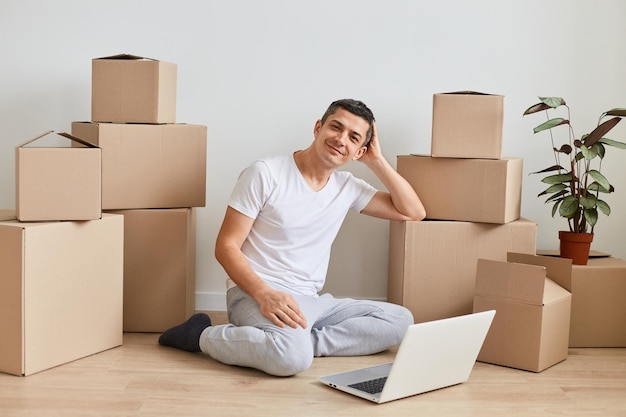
point(64, 134)
point(552, 292)
point(558, 269)
point(556, 252)
point(471, 93)
point(128, 57)
point(510, 281)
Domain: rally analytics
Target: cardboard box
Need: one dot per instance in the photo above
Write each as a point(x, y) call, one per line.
point(149, 166)
point(467, 124)
point(432, 264)
point(472, 190)
point(598, 300)
point(57, 183)
point(60, 292)
point(133, 89)
point(159, 268)
point(531, 327)
point(599, 303)
point(7, 214)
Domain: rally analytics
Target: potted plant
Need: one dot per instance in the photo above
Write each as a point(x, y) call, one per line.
point(575, 181)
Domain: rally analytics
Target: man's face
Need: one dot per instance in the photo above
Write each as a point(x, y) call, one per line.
point(342, 137)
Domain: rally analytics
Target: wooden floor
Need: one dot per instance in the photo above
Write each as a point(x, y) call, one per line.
point(142, 378)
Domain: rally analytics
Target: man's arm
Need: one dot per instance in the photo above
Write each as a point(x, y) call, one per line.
point(277, 306)
point(400, 202)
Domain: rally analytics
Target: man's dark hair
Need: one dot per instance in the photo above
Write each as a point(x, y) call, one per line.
point(356, 107)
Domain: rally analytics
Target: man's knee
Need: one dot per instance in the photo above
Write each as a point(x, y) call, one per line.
point(290, 355)
point(288, 363)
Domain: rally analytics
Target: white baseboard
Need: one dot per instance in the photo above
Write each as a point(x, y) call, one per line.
point(211, 301)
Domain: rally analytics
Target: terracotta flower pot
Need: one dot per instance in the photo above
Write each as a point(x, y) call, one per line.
point(575, 246)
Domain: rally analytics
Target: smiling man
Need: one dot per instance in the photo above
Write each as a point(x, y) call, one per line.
point(275, 241)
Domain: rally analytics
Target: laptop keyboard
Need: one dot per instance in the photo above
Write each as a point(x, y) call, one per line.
point(373, 386)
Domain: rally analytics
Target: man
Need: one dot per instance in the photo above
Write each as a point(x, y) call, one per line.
point(274, 244)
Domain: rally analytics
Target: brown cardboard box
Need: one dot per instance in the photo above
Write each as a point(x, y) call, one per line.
point(432, 264)
point(598, 300)
point(599, 303)
point(149, 166)
point(531, 327)
point(472, 190)
point(7, 214)
point(132, 89)
point(467, 124)
point(60, 292)
point(57, 183)
point(159, 268)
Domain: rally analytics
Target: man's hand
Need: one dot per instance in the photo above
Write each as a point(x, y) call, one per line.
point(373, 150)
point(281, 309)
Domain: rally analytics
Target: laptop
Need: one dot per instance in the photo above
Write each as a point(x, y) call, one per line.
point(432, 355)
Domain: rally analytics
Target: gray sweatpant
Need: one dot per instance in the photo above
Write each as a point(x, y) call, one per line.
point(337, 327)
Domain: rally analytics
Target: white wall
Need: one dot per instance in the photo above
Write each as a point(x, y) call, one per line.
point(259, 73)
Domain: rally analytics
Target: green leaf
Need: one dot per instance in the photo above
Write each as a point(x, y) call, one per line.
point(558, 197)
point(616, 112)
point(557, 179)
point(614, 143)
point(553, 102)
point(550, 124)
point(568, 206)
point(594, 186)
point(592, 216)
point(588, 202)
point(555, 207)
point(599, 149)
point(555, 188)
point(589, 153)
point(578, 156)
point(600, 179)
point(604, 207)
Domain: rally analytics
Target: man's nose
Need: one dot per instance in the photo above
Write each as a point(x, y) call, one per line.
point(342, 137)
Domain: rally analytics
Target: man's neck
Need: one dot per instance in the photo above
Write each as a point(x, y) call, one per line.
point(314, 173)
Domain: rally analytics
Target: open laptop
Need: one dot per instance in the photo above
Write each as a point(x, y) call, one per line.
point(432, 355)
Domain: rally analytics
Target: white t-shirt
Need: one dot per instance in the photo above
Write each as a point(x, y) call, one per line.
point(290, 241)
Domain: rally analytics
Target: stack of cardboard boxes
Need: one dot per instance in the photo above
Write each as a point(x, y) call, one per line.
point(103, 236)
point(153, 173)
point(472, 197)
point(61, 261)
point(475, 253)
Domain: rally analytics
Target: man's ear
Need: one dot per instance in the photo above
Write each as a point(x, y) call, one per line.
point(360, 153)
point(317, 127)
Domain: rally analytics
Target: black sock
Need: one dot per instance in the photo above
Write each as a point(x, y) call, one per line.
point(186, 336)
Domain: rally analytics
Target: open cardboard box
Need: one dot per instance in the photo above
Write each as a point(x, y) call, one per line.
point(531, 327)
point(57, 183)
